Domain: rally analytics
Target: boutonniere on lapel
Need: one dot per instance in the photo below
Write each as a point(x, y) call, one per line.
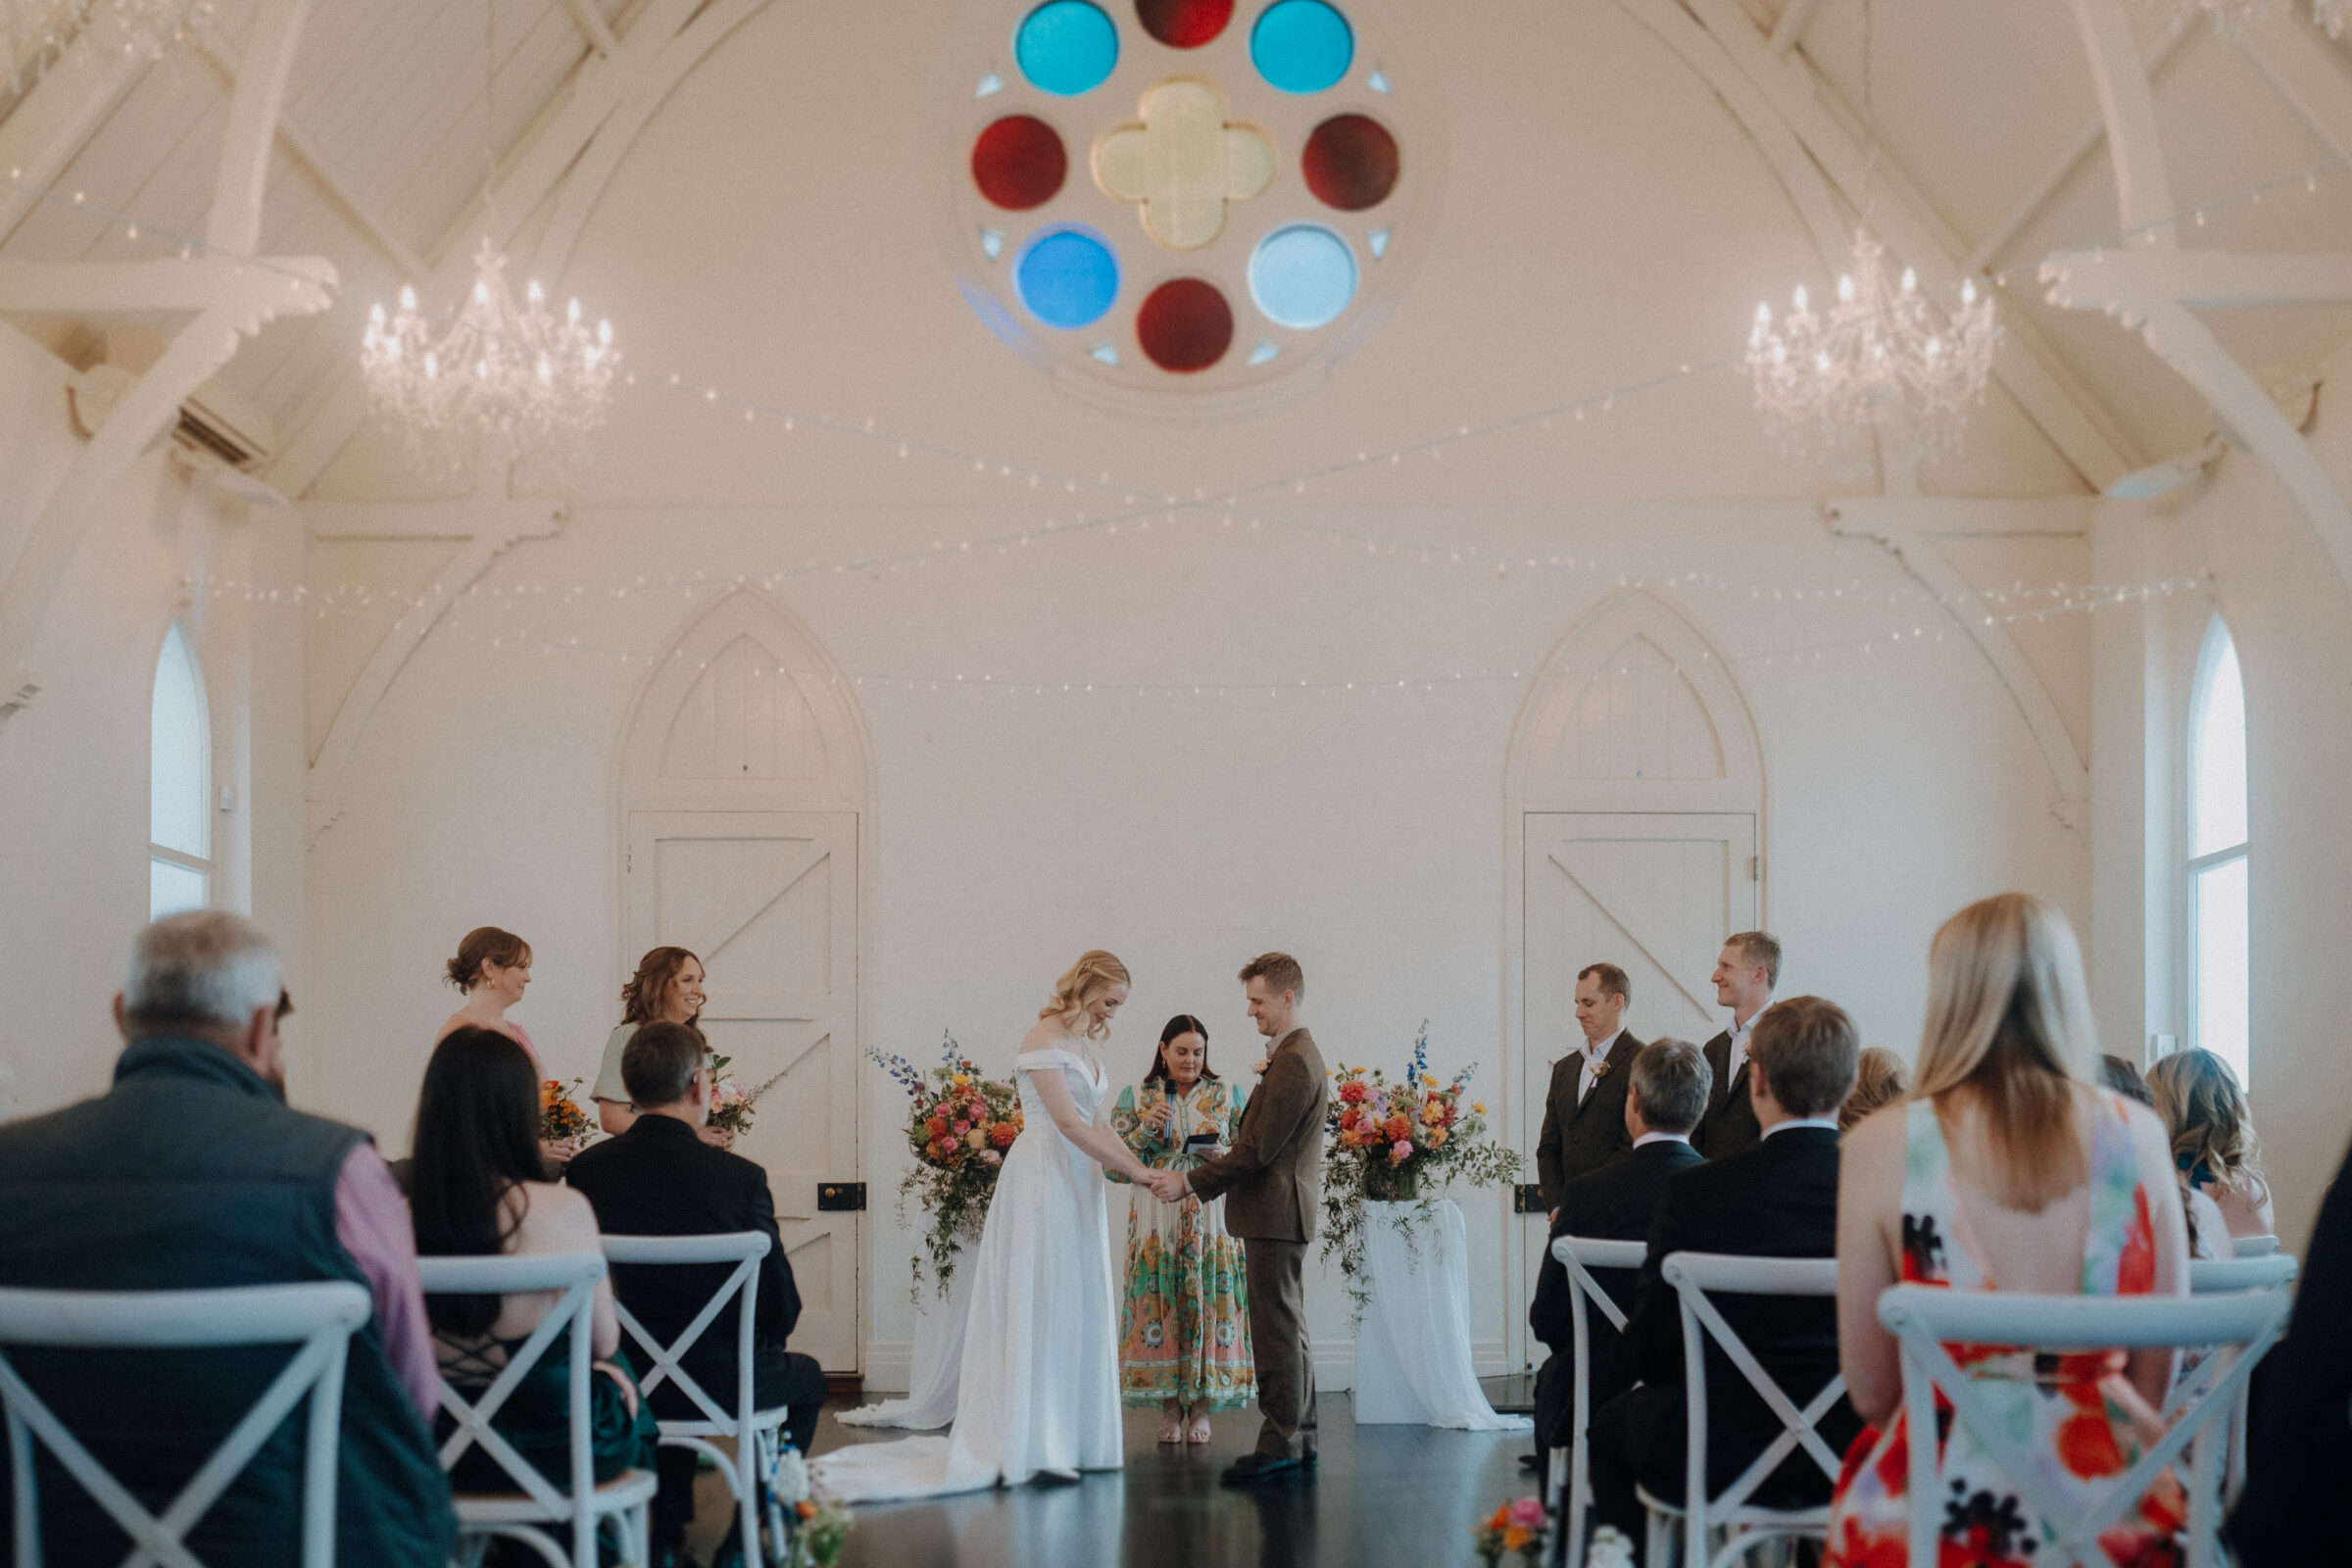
point(1600, 1069)
point(1258, 1067)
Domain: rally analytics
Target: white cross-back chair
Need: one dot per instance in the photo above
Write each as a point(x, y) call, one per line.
point(1745, 1525)
point(584, 1505)
point(753, 1432)
point(1568, 1485)
point(2265, 1271)
point(2237, 1327)
point(319, 1317)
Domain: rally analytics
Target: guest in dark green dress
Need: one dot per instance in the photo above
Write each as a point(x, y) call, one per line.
point(475, 1189)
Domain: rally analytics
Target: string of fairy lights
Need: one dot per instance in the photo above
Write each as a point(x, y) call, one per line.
point(1107, 504)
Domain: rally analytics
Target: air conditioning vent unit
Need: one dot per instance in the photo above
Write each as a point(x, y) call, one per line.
point(218, 427)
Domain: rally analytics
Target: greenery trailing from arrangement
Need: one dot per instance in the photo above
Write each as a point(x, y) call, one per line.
point(1386, 1136)
point(959, 1125)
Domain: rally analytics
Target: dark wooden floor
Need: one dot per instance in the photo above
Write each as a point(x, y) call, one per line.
point(1380, 1495)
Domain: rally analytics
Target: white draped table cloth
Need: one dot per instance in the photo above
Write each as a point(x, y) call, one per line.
point(1412, 1353)
point(937, 1363)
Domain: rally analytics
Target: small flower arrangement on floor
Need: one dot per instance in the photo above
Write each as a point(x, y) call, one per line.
point(560, 1114)
point(730, 1104)
point(818, 1527)
point(1388, 1135)
point(959, 1125)
point(1515, 1527)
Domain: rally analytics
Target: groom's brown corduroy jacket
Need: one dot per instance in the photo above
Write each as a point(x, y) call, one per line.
point(1272, 1178)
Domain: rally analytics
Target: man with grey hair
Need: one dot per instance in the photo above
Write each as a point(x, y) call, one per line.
point(1665, 1094)
point(192, 1172)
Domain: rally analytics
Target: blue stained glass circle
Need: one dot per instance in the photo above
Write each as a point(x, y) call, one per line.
point(1067, 278)
point(1066, 47)
point(1301, 277)
point(1301, 45)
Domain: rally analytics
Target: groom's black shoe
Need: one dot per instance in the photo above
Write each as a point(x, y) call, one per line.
point(1253, 1468)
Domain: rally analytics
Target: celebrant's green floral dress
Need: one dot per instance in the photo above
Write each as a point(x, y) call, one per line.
point(1184, 1326)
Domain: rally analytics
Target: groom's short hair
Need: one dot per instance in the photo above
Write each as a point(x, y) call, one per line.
point(659, 1063)
point(1280, 971)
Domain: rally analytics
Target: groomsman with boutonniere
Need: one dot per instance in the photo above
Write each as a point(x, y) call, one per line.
point(1746, 975)
point(1584, 1114)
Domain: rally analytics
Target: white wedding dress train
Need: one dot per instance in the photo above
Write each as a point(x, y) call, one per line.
point(1039, 1383)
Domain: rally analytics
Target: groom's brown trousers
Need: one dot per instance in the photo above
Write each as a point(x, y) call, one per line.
point(1272, 1183)
point(1286, 1359)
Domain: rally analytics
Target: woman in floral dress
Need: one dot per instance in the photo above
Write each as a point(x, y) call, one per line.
point(1184, 1329)
point(2007, 1170)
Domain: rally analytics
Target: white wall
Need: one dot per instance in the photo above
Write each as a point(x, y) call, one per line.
point(74, 765)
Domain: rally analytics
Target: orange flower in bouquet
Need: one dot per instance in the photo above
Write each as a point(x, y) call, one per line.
point(560, 1114)
point(958, 1126)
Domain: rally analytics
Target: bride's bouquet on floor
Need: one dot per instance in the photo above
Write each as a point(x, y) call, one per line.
point(959, 1125)
point(1386, 1136)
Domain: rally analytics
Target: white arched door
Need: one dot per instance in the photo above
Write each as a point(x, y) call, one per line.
point(1638, 809)
point(744, 790)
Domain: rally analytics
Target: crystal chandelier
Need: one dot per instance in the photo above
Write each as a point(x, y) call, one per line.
point(512, 374)
point(1878, 357)
point(515, 373)
point(37, 32)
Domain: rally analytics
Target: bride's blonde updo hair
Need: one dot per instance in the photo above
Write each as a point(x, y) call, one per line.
point(1092, 974)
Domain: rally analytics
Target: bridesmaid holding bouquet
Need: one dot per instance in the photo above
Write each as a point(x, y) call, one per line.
point(1183, 1327)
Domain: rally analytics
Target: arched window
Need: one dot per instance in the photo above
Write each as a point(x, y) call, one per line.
point(179, 864)
point(2217, 852)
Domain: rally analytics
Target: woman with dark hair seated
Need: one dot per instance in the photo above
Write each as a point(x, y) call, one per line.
point(475, 1189)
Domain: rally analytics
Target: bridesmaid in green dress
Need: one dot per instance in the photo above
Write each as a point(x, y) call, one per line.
point(1184, 1328)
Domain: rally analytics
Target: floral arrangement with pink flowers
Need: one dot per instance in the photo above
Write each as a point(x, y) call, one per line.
point(1386, 1134)
point(959, 1125)
point(731, 1105)
point(1520, 1526)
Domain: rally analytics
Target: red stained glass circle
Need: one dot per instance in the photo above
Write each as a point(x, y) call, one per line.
point(1018, 162)
point(1184, 325)
point(1184, 24)
point(1352, 162)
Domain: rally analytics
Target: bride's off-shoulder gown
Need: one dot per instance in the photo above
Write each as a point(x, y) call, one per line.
point(1039, 1389)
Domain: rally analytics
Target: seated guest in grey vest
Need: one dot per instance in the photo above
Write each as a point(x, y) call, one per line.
point(1778, 1200)
point(1665, 1093)
point(192, 1172)
point(660, 1179)
point(1584, 1111)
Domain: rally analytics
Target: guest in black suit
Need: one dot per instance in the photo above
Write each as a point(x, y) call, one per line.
point(1778, 1200)
point(1744, 976)
point(660, 1179)
point(1666, 1091)
point(2291, 1512)
point(1584, 1114)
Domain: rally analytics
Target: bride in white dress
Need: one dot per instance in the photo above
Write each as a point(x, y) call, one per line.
point(1040, 1389)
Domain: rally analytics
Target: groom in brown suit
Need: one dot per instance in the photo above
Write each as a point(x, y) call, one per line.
point(1274, 1172)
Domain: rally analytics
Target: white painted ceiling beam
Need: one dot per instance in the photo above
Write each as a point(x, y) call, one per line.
point(593, 26)
point(2029, 206)
point(235, 222)
point(320, 170)
point(55, 120)
point(2144, 192)
point(2305, 70)
point(2058, 404)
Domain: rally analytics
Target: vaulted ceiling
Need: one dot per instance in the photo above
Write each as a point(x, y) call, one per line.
point(1991, 156)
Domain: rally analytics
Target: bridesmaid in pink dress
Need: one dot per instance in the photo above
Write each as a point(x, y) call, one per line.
point(493, 968)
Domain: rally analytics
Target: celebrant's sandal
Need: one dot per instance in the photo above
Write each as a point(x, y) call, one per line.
point(1173, 1430)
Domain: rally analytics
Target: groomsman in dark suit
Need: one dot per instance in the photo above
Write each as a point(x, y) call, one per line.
point(1665, 1093)
point(1744, 976)
point(1778, 1200)
point(1584, 1114)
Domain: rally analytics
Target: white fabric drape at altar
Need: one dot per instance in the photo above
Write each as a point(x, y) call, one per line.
point(1412, 1353)
point(938, 1367)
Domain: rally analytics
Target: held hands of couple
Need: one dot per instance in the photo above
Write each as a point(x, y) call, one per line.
point(1169, 1186)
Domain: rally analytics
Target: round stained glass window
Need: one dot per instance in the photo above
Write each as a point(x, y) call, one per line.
point(1184, 24)
point(1301, 277)
point(1067, 278)
point(1018, 162)
point(1182, 196)
point(1066, 47)
point(1301, 45)
point(1184, 325)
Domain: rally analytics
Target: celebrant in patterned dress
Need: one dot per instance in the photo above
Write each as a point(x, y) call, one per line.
point(1184, 1326)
